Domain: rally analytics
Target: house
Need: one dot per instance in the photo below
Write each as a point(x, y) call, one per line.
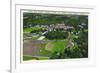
point(63, 26)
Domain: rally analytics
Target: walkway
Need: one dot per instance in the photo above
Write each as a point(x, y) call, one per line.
point(41, 38)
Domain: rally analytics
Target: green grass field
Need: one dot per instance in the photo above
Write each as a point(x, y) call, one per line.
point(54, 46)
point(59, 45)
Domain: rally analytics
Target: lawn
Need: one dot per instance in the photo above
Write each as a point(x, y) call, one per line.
point(34, 29)
point(53, 46)
point(59, 45)
point(26, 58)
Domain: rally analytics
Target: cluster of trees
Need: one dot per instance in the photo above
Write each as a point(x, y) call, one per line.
point(36, 18)
point(54, 35)
point(38, 30)
point(32, 19)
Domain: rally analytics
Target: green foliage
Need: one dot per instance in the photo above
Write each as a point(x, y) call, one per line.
point(25, 58)
point(32, 19)
point(80, 48)
point(56, 35)
point(59, 45)
point(34, 29)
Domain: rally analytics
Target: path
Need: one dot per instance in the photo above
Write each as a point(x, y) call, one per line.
point(41, 38)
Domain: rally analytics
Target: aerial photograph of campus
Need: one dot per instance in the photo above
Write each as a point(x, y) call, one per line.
point(54, 36)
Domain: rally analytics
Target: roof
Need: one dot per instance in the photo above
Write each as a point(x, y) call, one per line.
point(63, 26)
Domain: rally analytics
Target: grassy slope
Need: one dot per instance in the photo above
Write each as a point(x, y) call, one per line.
point(59, 45)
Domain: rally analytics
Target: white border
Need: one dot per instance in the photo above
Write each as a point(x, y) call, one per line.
point(15, 59)
point(49, 12)
point(43, 12)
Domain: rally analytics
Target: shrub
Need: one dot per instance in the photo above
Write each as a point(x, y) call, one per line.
point(37, 30)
